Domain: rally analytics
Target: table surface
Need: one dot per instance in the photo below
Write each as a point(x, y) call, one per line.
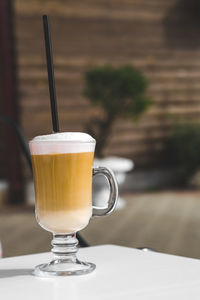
point(121, 273)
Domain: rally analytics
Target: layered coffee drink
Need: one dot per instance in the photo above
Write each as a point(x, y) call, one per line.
point(62, 166)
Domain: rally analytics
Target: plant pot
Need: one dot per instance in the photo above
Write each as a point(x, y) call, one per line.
point(120, 166)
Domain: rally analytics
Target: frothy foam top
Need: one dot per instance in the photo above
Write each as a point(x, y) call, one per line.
point(62, 142)
point(65, 136)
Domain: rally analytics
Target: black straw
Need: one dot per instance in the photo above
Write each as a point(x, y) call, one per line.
point(52, 89)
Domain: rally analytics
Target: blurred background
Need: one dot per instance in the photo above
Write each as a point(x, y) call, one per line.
point(129, 72)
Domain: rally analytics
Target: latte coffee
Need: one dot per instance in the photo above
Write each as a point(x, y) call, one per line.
point(62, 167)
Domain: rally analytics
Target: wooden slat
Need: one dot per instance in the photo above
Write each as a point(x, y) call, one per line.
point(91, 9)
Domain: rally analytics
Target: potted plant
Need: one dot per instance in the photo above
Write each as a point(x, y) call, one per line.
point(119, 92)
point(182, 151)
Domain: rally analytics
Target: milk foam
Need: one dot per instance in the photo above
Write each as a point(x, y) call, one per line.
point(65, 136)
point(62, 142)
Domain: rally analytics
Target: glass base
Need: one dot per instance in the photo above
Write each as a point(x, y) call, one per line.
point(65, 262)
point(63, 269)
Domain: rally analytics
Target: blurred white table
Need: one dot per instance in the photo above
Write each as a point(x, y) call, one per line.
point(122, 273)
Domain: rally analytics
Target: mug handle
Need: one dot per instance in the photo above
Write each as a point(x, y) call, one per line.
point(108, 173)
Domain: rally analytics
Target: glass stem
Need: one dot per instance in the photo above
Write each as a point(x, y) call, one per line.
point(64, 247)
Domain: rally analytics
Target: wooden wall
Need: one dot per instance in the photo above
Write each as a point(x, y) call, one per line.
point(161, 38)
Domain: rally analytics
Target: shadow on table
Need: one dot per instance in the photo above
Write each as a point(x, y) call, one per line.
point(6, 273)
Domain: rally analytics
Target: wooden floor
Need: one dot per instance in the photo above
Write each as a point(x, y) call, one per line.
point(167, 221)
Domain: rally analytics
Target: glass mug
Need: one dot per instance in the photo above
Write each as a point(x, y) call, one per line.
point(63, 171)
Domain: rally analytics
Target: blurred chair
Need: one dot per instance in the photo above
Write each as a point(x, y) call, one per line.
point(20, 137)
point(25, 150)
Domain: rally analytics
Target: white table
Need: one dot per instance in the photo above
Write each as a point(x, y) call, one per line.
point(122, 273)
